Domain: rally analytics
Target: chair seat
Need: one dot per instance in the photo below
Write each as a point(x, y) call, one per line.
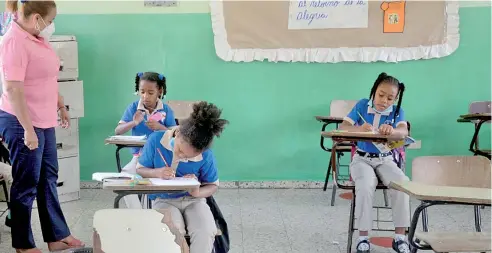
point(456, 241)
point(350, 185)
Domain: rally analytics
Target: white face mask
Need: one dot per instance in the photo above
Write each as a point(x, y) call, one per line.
point(47, 31)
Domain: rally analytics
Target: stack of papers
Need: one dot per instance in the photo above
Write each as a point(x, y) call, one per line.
point(127, 138)
point(111, 177)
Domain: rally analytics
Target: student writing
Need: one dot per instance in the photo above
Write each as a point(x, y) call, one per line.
point(378, 114)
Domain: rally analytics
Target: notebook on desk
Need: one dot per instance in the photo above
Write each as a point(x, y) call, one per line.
point(127, 138)
point(109, 177)
point(177, 181)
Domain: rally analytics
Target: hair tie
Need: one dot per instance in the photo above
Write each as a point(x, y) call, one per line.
point(23, 1)
point(161, 77)
point(140, 74)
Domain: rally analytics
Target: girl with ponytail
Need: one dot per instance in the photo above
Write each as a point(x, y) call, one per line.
point(378, 114)
point(185, 152)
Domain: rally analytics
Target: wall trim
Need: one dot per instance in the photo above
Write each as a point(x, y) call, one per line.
point(244, 185)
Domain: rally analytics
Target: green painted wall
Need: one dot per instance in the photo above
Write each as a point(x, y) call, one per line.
point(272, 135)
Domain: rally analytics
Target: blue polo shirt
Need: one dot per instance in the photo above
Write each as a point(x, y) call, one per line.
point(202, 166)
point(364, 107)
point(142, 129)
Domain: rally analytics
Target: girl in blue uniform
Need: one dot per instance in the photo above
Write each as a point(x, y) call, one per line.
point(144, 116)
point(184, 152)
point(380, 114)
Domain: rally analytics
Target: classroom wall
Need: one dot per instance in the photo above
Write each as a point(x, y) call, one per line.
point(271, 106)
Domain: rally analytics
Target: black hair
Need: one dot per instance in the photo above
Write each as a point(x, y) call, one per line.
point(202, 126)
point(153, 77)
point(385, 78)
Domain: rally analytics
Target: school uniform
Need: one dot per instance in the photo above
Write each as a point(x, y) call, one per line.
point(185, 209)
point(369, 161)
point(167, 120)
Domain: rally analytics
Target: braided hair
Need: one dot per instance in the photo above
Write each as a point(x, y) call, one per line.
point(202, 126)
point(153, 77)
point(385, 78)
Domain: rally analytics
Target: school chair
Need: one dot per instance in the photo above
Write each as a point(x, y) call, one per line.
point(181, 108)
point(478, 108)
point(338, 110)
point(5, 158)
point(456, 171)
point(399, 156)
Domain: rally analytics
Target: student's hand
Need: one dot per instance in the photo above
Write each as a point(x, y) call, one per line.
point(154, 125)
point(138, 117)
point(167, 173)
point(386, 129)
point(366, 127)
point(64, 117)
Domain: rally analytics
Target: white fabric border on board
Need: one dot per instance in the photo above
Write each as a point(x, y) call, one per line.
point(334, 55)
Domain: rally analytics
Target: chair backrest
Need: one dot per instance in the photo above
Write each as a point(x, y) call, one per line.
point(340, 108)
point(459, 171)
point(181, 109)
point(479, 107)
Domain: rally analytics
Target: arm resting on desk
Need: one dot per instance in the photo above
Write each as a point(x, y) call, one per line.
point(122, 128)
point(164, 173)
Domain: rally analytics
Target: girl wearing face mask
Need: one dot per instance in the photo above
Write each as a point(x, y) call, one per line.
point(379, 114)
point(143, 117)
point(29, 108)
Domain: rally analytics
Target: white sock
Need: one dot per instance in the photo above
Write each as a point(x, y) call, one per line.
point(399, 237)
point(363, 246)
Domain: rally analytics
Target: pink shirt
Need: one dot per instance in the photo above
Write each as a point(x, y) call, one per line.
point(31, 60)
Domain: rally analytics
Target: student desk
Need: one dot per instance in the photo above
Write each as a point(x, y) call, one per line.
point(431, 195)
point(120, 144)
point(344, 148)
point(478, 119)
point(124, 188)
point(137, 230)
point(347, 136)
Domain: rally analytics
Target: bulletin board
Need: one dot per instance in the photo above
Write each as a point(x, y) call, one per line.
point(393, 31)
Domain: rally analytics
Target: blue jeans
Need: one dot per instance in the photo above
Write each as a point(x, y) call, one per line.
point(34, 175)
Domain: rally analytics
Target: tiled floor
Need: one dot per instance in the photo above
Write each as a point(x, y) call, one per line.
point(266, 220)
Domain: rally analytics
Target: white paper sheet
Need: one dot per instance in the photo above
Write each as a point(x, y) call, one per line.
point(127, 138)
point(178, 181)
point(322, 14)
point(108, 176)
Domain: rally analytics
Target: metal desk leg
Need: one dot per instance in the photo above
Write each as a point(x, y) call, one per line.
point(117, 199)
point(118, 161)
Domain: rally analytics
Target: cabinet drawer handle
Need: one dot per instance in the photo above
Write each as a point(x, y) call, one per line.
point(60, 184)
point(59, 146)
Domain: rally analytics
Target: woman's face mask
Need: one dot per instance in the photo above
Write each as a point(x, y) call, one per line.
point(48, 30)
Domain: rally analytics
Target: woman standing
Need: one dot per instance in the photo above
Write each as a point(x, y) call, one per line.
point(28, 116)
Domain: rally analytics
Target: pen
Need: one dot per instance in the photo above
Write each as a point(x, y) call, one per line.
point(162, 157)
point(361, 117)
point(364, 120)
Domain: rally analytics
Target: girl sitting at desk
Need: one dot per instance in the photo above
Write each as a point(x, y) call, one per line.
point(378, 114)
point(184, 152)
point(145, 116)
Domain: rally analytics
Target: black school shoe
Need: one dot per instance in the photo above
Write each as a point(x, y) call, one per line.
point(401, 246)
point(8, 221)
point(363, 242)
